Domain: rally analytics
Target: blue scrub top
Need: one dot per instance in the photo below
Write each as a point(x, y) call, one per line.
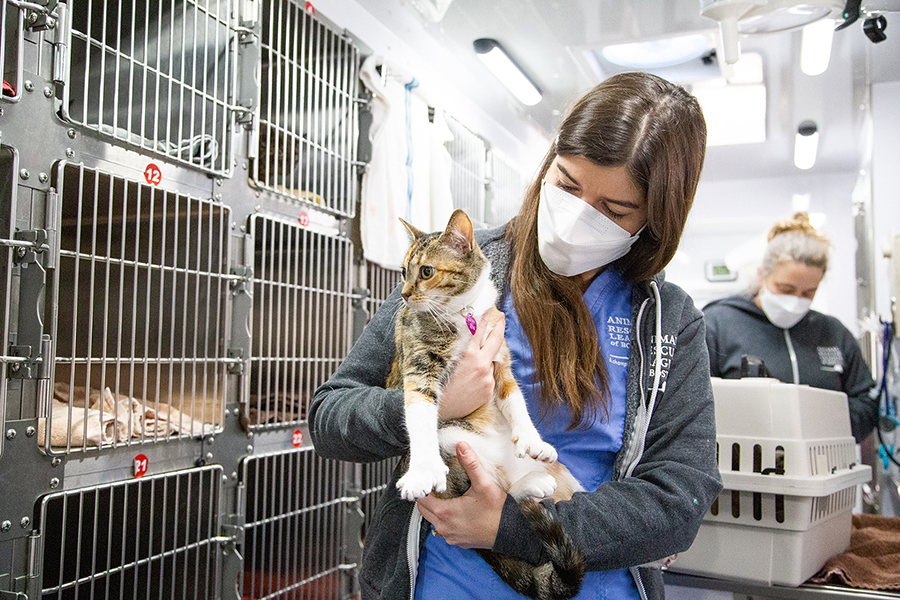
point(449, 572)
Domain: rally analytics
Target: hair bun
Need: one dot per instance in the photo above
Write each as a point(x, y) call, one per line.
point(799, 223)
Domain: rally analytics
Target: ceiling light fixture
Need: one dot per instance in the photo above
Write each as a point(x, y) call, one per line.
point(815, 48)
point(507, 71)
point(806, 144)
point(653, 54)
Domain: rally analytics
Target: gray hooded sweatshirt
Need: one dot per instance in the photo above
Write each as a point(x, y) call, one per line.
point(818, 351)
point(665, 476)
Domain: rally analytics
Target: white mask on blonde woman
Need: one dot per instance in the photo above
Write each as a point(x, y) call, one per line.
point(783, 310)
point(574, 237)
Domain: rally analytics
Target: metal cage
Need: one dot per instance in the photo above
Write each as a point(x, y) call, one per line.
point(155, 75)
point(308, 117)
point(156, 537)
point(294, 522)
point(142, 294)
point(301, 323)
point(467, 173)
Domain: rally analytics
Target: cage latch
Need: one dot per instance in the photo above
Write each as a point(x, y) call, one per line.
point(235, 361)
point(27, 245)
point(39, 15)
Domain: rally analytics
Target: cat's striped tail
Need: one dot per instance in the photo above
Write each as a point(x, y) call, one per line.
point(558, 579)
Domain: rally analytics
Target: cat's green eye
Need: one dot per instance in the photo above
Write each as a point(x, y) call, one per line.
point(426, 272)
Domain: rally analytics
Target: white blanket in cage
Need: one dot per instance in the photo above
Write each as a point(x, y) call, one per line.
point(80, 417)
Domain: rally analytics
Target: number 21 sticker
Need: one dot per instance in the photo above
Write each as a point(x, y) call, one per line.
point(141, 463)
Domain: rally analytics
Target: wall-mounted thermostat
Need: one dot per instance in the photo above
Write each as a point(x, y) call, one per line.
point(717, 270)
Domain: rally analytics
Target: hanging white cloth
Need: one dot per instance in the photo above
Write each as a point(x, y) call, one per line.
point(408, 175)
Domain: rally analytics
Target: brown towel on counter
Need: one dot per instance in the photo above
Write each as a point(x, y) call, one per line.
point(872, 561)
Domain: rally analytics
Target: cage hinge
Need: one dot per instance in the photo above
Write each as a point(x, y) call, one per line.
point(60, 47)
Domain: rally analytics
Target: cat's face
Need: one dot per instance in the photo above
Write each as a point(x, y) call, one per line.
point(439, 267)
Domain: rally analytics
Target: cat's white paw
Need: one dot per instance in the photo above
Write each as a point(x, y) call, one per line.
point(532, 445)
point(422, 479)
point(537, 484)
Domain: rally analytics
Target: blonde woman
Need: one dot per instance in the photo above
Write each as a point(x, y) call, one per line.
point(774, 323)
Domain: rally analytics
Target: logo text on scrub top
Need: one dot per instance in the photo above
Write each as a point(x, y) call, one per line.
point(667, 351)
point(618, 331)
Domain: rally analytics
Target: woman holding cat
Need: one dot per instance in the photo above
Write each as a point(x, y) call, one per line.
point(612, 361)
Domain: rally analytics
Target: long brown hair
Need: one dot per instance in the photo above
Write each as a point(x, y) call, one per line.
point(657, 131)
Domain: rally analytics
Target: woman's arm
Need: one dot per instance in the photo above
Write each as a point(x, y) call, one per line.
point(353, 417)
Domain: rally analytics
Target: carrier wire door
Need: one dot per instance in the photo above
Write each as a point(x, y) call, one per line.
point(143, 297)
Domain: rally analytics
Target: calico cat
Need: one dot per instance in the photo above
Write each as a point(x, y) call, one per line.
point(446, 289)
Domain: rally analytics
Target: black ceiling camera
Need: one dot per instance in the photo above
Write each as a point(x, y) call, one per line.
point(874, 28)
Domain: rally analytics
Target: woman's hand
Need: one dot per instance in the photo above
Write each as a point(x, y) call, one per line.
point(472, 382)
point(473, 519)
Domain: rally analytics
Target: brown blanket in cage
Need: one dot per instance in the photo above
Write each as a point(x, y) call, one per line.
point(872, 561)
point(287, 407)
point(81, 417)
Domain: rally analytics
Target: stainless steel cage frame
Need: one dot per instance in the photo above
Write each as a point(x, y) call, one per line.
point(156, 75)
point(308, 123)
point(155, 537)
point(295, 501)
point(140, 353)
point(302, 316)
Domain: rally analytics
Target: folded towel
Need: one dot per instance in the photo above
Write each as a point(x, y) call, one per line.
point(872, 561)
point(82, 417)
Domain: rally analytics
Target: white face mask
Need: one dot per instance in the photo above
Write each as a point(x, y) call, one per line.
point(574, 237)
point(782, 310)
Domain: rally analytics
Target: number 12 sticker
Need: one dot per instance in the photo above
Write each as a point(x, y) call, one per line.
point(152, 174)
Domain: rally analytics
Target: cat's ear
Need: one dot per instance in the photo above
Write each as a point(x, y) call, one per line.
point(413, 232)
point(459, 234)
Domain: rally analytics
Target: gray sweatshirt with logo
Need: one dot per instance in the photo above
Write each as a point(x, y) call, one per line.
point(818, 351)
point(665, 476)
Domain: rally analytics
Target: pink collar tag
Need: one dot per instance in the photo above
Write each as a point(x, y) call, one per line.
point(472, 323)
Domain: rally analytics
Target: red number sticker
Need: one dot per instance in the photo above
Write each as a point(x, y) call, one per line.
point(297, 438)
point(152, 174)
point(310, 8)
point(141, 462)
point(304, 219)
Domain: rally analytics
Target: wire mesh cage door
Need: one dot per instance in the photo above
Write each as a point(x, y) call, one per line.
point(155, 537)
point(308, 117)
point(156, 75)
point(294, 522)
point(301, 323)
point(143, 313)
point(11, 49)
point(467, 173)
